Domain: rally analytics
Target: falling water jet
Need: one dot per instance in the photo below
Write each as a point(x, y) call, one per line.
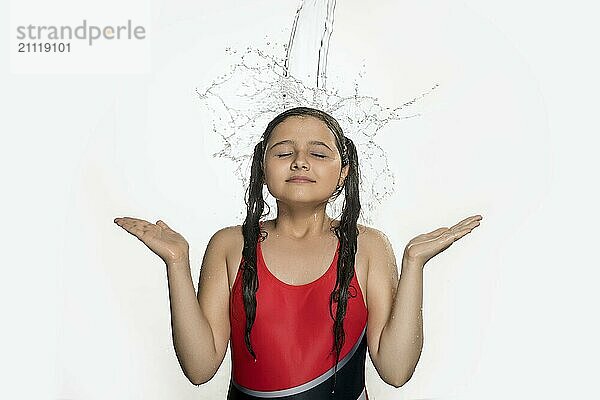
point(309, 55)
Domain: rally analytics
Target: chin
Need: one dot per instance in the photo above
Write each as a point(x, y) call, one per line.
point(302, 198)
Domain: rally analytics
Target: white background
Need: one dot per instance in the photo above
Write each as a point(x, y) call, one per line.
point(510, 134)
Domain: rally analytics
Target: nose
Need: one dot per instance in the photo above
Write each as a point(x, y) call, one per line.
point(297, 165)
point(300, 161)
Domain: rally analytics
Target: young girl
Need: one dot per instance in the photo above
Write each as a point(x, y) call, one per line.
point(300, 297)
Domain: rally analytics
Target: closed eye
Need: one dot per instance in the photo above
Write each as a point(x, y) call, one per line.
point(314, 154)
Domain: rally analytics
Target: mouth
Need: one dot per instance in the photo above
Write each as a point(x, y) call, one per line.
point(300, 180)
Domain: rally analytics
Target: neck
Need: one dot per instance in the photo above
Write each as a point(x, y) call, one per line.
point(302, 223)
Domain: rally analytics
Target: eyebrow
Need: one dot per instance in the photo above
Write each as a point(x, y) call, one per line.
point(287, 141)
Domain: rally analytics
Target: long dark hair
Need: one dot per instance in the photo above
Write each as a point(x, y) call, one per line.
point(346, 232)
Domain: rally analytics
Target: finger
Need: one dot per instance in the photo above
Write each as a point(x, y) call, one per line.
point(437, 232)
point(142, 224)
point(131, 220)
point(471, 225)
point(137, 223)
point(162, 224)
point(127, 225)
point(466, 221)
point(448, 236)
point(429, 237)
point(137, 232)
point(135, 227)
point(461, 223)
point(445, 240)
point(462, 232)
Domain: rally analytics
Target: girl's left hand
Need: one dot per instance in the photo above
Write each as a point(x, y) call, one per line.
point(424, 247)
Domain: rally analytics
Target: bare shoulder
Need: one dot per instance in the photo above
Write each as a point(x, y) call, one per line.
point(370, 234)
point(231, 240)
point(375, 244)
point(362, 229)
point(228, 238)
point(369, 241)
point(228, 234)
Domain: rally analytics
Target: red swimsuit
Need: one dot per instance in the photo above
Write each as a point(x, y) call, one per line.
point(292, 338)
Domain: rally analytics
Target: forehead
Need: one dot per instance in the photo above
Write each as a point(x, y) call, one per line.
point(302, 128)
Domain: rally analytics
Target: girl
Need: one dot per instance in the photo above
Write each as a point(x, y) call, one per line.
point(299, 320)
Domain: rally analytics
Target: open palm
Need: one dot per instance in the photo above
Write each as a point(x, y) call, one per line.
point(169, 245)
point(424, 247)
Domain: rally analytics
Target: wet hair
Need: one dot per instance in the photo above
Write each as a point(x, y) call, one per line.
point(347, 231)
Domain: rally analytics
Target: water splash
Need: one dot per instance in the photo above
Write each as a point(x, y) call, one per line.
point(260, 85)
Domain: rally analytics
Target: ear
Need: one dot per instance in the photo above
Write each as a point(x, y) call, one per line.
point(344, 174)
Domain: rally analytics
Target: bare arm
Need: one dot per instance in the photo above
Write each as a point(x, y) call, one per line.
point(402, 336)
point(395, 330)
point(200, 322)
point(192, 336)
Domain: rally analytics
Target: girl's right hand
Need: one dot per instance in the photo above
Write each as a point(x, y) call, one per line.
point(169, 245)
